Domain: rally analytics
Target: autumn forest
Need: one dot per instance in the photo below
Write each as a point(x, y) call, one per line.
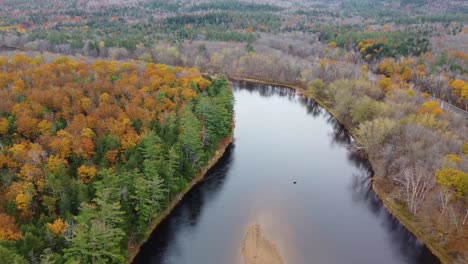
point(110, 110)
point(105, 144)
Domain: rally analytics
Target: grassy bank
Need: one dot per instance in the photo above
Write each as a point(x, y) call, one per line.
point(393, 208)
point(133, 248)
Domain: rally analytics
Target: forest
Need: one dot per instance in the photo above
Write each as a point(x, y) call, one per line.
point(91, 153)
point(395, 73)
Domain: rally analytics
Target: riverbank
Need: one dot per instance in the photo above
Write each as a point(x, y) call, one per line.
point(398, 212)
point(133, 248)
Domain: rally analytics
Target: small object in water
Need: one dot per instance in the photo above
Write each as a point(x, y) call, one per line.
point(294, 182)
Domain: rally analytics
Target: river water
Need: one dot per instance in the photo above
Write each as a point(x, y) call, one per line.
point(330, 215)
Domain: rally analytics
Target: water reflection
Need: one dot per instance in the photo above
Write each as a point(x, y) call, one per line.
point(265, 90)
point(313, 220)
point(186, 213)
point(313, 108)
point(403, 241)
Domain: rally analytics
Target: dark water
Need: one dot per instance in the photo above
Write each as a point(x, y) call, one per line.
point(330, 215)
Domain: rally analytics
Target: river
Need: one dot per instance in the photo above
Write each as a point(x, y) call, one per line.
point(288, 171)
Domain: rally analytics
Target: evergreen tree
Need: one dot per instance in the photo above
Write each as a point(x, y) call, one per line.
point(189, 138)
point(97, 235)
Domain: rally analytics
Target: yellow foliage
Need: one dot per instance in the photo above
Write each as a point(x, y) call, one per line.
point(44, 127)
point(410, 92)
point(87, 133)
point(27, 172)
point(61, 60)
point(129, 140)
point(426, 95)
point(20, 59)
point(3, 125)
point(62, 144)
point(453, 157)
point(54, 163)
point(452, 178)
point(86, 173)
point(22, 202)
point(459, 88)
point(188, 94)
point(18, 86)
point(38, 60)
point(407, 73)
point(202, 83)
point(18, 151)
point(85, 104)
point(421, 67)
point(104, 98)
point(431, 107)
point(325, 62)
point(332, 44)
point(364, 70)
point(385, 83)
point(57, 227)
point(388, 67)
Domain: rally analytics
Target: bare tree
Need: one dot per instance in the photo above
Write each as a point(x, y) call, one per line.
point(416, 181)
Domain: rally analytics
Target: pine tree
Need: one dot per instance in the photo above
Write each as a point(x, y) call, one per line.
point(97, 234)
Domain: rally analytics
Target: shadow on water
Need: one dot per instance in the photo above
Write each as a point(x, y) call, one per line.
point(403, 241)
point(266, 90)
point(187, 212)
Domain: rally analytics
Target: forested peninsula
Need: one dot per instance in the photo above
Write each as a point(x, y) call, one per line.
point(91, 153)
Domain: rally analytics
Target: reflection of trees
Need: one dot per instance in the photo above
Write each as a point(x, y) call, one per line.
point(313, 108)
point(340, 135)
point(265, 90)
point(403, 241)
point(186, 214)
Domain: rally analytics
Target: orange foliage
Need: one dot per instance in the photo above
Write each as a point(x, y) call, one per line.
point(61, 144)
point(129, 139)
point(202, 83)
point(57, 227)
point(86, 148)
point(63, 108)
point(112, 156)
point(8, 228)
point(29, 172)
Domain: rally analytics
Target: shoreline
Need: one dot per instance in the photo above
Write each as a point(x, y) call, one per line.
point(390, 205)
point(134, 249)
